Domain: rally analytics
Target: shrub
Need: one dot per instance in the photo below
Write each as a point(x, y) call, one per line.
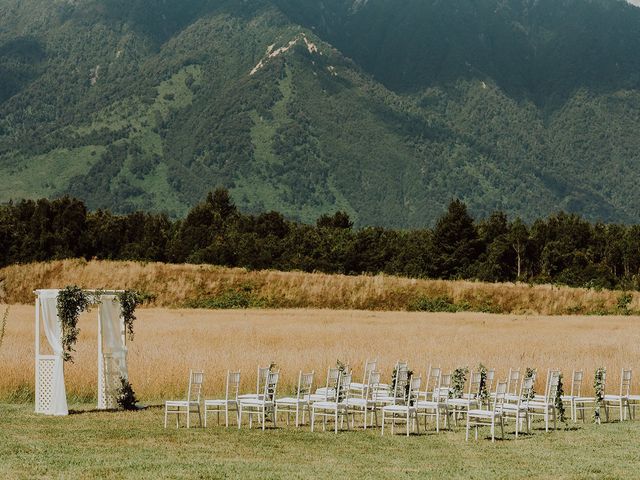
point(436, 304)
point(126, 397)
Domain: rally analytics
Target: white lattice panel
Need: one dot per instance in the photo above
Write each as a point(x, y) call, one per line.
point(112, 370)
point(45, 384)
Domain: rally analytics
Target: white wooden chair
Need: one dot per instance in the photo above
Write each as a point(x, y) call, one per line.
point(300, 403)
point(404, 408)
point(366, 404)
point(188, 406)
point(262, 406)
point(433, 402)
point(327, 392)
point(337, 407)
point(359, 388)
point(576, 401)
point(261, 378)
point(546, 406)
point(226, 404)
point(621, 401)
point(471, 400)
point(478, 417)
point(520, 410)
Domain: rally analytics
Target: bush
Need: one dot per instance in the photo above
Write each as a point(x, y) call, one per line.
point(436, 304)
point(126, 396)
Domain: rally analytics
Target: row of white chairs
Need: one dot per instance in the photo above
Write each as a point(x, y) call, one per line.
point(401, 402)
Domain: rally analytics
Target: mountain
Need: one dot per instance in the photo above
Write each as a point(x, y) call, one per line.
point(385, 109)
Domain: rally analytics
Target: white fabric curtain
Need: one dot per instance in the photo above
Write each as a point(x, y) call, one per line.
point(114, 350)
point(53, 331)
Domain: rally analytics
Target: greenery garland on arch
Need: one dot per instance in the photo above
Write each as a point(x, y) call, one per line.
point(129, 301)
point(72, 301)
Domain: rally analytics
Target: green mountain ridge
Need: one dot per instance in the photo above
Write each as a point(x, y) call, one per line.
point(378, 108)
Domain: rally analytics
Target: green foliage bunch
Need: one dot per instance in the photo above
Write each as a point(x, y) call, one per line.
point(531, 373)
point(598, 387)
point(129, 301)
point(71, 302)
point(126, 397)
point(458, 380)
point(558, 402)
point(483, 392)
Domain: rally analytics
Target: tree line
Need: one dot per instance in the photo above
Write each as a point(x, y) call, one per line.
point(563, 248)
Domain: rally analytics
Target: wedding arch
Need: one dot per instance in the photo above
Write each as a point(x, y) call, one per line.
point(50, 394)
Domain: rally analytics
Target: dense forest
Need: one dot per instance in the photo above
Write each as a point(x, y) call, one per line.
point(375, 108)
point(563, 248)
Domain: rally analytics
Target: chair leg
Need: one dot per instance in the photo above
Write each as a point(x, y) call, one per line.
point(336, 421)
point(502, 427)
point(407, 424)
point(165, 416)
point(382, 432)
point(239, 416)
point(313, 416)
point(467, 429)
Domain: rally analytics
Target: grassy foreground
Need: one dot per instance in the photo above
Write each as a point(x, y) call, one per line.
point(134, 445)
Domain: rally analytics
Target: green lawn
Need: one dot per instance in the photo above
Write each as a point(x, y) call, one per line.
point(134, 445)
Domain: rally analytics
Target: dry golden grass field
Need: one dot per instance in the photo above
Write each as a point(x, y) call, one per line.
point(170, 341)
point(210, 286)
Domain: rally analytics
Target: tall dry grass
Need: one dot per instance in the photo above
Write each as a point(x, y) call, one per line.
point(177, 285)
point(169, 342)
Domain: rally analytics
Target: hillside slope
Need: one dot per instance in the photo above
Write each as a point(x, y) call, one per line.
point(381, 110)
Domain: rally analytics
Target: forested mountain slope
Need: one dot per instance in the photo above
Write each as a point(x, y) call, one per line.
point(381, 108)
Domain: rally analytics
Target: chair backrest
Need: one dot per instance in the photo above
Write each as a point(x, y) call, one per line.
point(625, 382)
point(196, 378)
point(233, 385)
point(343, 387)
point(475, 382)
point(433, 383)
point(400, 365)
point(491, 376)
point(445, 387)
point(369, 366)
point(576, 383)
point(270, 386)
point(263, 372)
point(401, 382)
point(552, 386)
point(333, 374)
point(305, 384)
point(513, 381)
point(501, 392)
point(373, 386)
point(526, 387)
point(413, 389)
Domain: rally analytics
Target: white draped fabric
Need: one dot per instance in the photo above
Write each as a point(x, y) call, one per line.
point(53, 331)
point(114, 350)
